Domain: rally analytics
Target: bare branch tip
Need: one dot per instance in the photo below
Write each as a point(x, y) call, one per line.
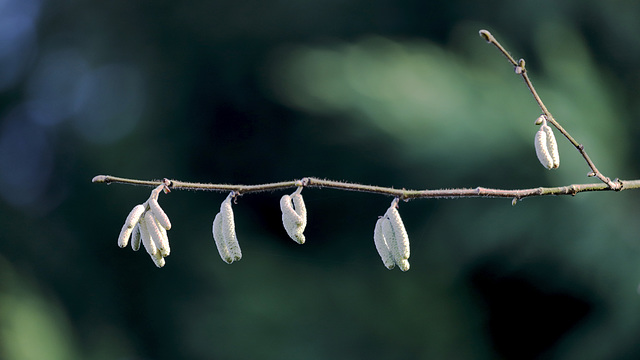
point(100, 179)
point(486, 35)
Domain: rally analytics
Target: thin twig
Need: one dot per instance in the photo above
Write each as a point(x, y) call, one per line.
point(404, 194)
point(478, 192)
point(520, 69)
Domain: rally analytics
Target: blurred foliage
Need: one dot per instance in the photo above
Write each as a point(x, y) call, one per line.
point(392, 93)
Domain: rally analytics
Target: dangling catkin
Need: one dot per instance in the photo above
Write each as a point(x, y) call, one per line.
point(146, 239)
point(219, 239)
point(382, 246)
point(391, 239)
point(546, 146)
point(130, 222)
point(229, 229)
point(159, 214)
point(161, 243)
point(135, 238)
point(401, 236)
point(294, 220)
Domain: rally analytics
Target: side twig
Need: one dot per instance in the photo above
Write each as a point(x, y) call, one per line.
point(522, 71)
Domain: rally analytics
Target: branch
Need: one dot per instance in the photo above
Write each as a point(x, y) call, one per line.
point(522, 71)
point(148, 224)
point(403, 194)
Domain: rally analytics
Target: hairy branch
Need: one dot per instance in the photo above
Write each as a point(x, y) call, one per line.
point(402, 194)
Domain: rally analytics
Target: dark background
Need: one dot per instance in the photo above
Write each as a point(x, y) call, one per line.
point(391, 93)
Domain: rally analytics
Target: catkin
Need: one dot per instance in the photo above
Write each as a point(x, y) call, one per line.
point(130, 222)
point(165, 239)
point(553, 147)
point(300, 207)
point(135, 238)
point(229, 229)
point(401, 236)
point(159, 214)
point(382, 246)
point(161, 243)
point(219, 239)
point(547, 147)
point(146, 239)
point(294, 220)
point(391, 239)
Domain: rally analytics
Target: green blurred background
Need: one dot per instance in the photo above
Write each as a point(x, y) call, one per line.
point(392, 93)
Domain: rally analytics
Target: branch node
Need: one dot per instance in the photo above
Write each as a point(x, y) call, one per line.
point(520, 68)
point(166, 185)
point(574, 190)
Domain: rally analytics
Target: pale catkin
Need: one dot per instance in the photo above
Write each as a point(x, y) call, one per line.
point(229, 229)
point(165, 239)
point(300, 207)
point(129, 223)
point(553, 147)
point(382, 246)
point(547, 147)
point(159, 214)
point(294, 220)
point(135, 238)
point(146, 239)
point(160, 241)
point(390, 237)
point(218, 237)
point(401, 236)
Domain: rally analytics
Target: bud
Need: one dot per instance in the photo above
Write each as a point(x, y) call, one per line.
point(486, 35)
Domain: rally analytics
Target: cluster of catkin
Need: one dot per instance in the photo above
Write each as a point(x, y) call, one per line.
point(224, 232)
point(147, 223)
point(294, 218)
point(391, 239)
